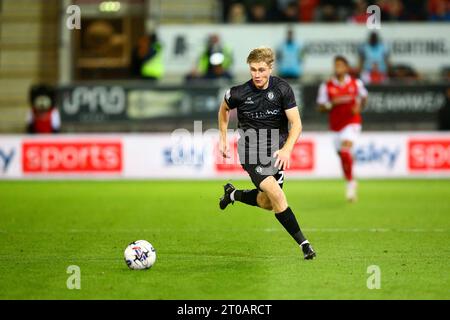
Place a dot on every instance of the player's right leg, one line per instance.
(231, 194)
(284, 214)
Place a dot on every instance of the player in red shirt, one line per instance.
(343, 97)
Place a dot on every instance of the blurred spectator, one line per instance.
(392, 10)
(258, 13)
(147, 61)
(383, 4)
(373, 59)
(281, 5)
(439, 10)
(359, 12)
(415, 9)
(208, 62)
(43, 117)
(217, 70)
(225, 6)
(237, 13)
(290, 56)
(307, 10)
(335, 10)
(374, 76)
(404, 73)
(328, 13)
(289, 13)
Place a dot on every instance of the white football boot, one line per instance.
(351, 193)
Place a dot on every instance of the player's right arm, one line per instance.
(224, 118)
(323, 101)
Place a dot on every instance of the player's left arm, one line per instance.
(284, 154)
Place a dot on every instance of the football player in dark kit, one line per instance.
(266, 108)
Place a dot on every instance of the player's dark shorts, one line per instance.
(258, 173)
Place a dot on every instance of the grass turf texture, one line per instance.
(241, 253)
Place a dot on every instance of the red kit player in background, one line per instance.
(343, 97)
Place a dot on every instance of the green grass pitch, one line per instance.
(402, 226)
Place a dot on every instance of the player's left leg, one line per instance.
(252, 197)
(347, 167)
(284, 214)
(348, 137)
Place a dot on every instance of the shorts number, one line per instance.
(281, 179)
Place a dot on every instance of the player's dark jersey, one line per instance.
(261, 110)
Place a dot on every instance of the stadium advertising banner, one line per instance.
(191, 156)
(425, 47)
(106, 103)
(389, 104)
(96, 103)
(71, 156)
(10, 153)
(135, 104)
(428, 155)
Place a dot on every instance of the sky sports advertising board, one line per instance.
(162, 156)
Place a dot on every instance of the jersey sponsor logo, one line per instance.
(249, 101)
(89, 156)
(429, 154)
(262, 114)
(273, 112)
(6, 157)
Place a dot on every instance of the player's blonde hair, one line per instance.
(261, 54)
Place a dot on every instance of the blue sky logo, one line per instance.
(371, 153)
(184, 155)
(5, 159)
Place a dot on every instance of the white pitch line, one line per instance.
(362, 230)
(158, 230)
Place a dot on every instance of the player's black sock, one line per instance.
(289, 222)
(246, 196)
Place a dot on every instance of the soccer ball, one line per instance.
(140, 255)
